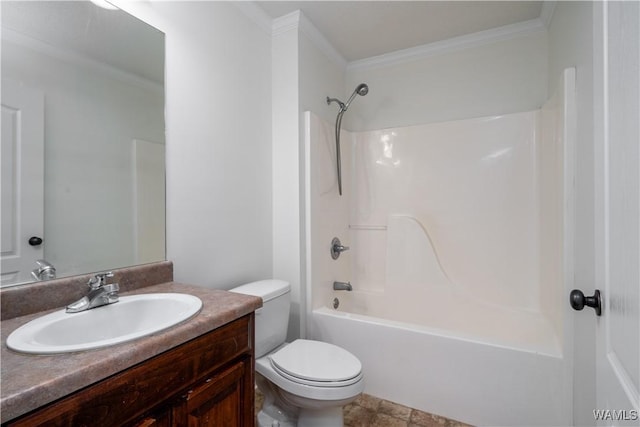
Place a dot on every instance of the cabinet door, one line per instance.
(224, 399)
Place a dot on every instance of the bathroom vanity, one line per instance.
(199, 372)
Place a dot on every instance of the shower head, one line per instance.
(362, 89)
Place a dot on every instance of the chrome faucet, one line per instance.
(100, 293)
(342, 286)
(45, 271)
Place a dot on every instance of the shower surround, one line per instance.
(457, 261)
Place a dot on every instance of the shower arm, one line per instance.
(337, 101)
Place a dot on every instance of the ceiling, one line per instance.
(362, 29)
(357, 29)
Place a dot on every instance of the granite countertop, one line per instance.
(31, 381)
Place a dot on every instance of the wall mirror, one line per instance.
(83, 176)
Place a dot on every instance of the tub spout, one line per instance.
(342, 286)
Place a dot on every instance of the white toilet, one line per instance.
(305, 383)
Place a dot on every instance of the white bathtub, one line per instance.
(460, 261)
(453, 313)
(449, 374)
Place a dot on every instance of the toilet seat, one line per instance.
(317, 364)
(329, 393)
(317, 383)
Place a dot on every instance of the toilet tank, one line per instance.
(273, 318)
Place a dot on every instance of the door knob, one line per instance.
(35, 241)
(578, 301)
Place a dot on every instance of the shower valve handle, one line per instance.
(578, 301)
(337, 248)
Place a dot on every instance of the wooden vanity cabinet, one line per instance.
(208, 381)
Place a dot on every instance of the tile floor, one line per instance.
(370, 411)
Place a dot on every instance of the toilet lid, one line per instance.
(316, 361)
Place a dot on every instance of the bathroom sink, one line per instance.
(132, 317)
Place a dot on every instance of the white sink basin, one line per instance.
(130, 318)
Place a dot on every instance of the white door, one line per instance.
(617, 121)
(22, 169)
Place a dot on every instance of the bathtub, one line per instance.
(460, 237)
(480, 381)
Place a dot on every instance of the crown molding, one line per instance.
(78, 60)
(546, 14)
(321, 42)
(299, 22)
(286, 23)
(450, 45)
(256, 14)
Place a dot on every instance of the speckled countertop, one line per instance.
(30, 381)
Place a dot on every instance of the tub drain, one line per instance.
(336, 303)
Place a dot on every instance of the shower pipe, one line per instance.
(362, 89)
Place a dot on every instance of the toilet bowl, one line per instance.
(305, 383)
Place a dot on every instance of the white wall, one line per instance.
(504, 76)
(571, 44)
(91, 120)
(287, 244)
(305, 71)
(218, 118)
